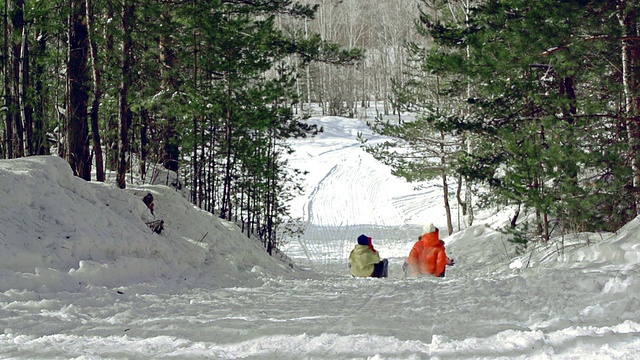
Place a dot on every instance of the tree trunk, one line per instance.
(445, 186)
(468, 194)
(627, 17)
(40, 145)
(567, 89)
(8, 100)
(78, 128)
(110, 137)
(97, 96)
(18, 30)
(144, 142)
(197, 172)
(307, 72)
(125, 115)
(226, 197)
(26, 103)
(461, 203)
(167, 59)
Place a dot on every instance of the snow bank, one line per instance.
(71, 233)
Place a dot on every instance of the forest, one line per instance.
(530, 105)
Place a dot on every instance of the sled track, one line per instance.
(329, 233)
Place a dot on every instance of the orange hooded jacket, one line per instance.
(428, 256)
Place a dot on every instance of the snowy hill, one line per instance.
(83, 277)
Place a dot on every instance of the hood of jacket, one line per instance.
(432, 239)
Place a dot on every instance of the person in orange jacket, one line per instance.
(428, 255)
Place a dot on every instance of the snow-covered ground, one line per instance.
(83, 277)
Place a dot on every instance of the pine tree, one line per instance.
(545, 122)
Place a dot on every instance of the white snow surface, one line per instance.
(83, 277)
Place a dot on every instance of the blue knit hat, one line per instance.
(364, 239)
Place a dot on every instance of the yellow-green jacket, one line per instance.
(362, 259)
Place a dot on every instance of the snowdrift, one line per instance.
(71, 233)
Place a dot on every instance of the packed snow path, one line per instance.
(560, 315)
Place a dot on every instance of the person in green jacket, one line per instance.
(364, 260)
